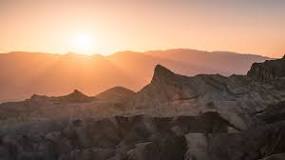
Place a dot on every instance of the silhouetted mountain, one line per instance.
(23, 74)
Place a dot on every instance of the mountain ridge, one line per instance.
(25, 74)
(202, 93)
(173, 117)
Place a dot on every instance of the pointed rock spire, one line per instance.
(162, 73)
(76, 94)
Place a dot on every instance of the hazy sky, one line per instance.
(249, 26)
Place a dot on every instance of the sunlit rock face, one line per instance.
(174, 117)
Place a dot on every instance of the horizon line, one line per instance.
(134, 51)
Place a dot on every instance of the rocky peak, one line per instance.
(161, 74)
(75, 96)
(268, 70)
(77, 93)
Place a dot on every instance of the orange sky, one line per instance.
(255, 26)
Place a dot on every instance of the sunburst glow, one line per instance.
(83, 43)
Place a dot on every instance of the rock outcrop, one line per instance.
(236, 98)
(269, 70)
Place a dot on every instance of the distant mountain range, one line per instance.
(24, 74)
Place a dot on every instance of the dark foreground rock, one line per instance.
(204, 137)
(133, 138)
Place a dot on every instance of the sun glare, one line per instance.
(83, 44)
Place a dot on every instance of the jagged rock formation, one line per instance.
(269, 70)
(236, 98)
(175, 117)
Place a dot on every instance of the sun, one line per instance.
(83, 43)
